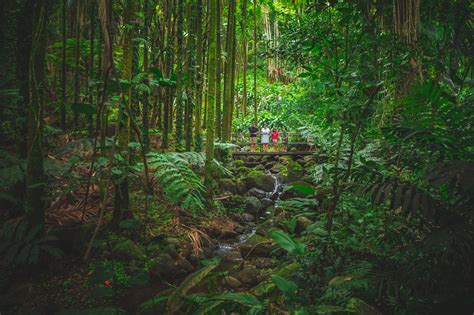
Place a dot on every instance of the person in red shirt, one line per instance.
(275, 139)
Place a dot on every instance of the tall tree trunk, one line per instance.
(91, 65)
(145, 118)
(205, 63)
(122, 204)
(63, 66)
(218, 70)
(34, 167)
(255, 60)
(191, 63)
(77, 61)
(199, 76)
(179, 79)
(244, 54)
(227, 109)
(24, 34)
(168, 103)
(232, 78)
(211, 94)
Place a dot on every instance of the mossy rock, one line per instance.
(227, 184)
(238, 163)
(248, 275)
(256, 246)
(253, 205)
(260, 180)
(127, 249)
(243, 170)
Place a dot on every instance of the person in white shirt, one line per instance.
(265, 137)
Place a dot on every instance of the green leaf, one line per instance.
(207, 307)
(324, 309)
(116, 171)
(83, 108)
(174, 302)
(286, 286)
(287, 243)
(305, 74)
(131, 224)
(305, 189)
(156, 300)
(360, 307)
(140, 40)
(106, 310)
(241, 298)
(156, 73)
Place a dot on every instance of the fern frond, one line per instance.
(180, 184)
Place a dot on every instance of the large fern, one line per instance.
(12, 172)
(180, 184)
(22, 244)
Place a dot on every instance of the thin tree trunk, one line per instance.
(199, 77)
(145, 118)
(63, 66)
(77, 62)
(122, 203)
(232, 78)
(211, 95)
(218, 78)
(24, 32)
(244, 52)
(34, 202)
(191, 86)
(255, 61)
(91, 66)
(227, 109)
(179, 80)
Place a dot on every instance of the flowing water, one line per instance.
(230, 251)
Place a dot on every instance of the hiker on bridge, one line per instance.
(265, 137)
(253, 130)
(275, 135)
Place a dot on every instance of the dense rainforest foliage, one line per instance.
(127, 185)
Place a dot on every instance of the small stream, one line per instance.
(230, 251)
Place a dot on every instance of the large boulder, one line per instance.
(260, 180)
(266, 202)
(227, 184)
(185, 265)
(248, 275)
(164, 267)
(256, 246)
(127, 249)
(253, 205)
(258, 193)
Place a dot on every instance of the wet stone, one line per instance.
(248, 275)
(266, 202)
(258, 193)
(231, 282)
(247, 217)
